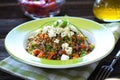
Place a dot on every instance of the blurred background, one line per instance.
(11, 8)
(13, 14)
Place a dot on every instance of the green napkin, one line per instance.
(35, 73)
(26, 71)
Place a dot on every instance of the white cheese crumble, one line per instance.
(68, 50)
(65, 32)
(51, 32)
(64, 57)
(56, 41)
(59, 30)
(45, 29)
(67, 29)
(65, 45)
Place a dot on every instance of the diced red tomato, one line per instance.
(83, 46)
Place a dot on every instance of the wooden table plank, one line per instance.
(8, 24)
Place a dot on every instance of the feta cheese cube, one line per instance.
(45, 29)
(65, 32)
(68, 50)
(65, 45)
(67, 29)
(51, 32)
(59, 30)
(64, 57)
(56, 41)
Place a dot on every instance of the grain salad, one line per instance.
(59, 41)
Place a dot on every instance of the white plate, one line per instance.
(103, 38)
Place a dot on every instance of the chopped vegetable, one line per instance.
(39, 53)
(76, 55)
(50, 55)
(83, 46)
(91, 46)
(83, 53)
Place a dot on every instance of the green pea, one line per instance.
(56, 23)
(63, 24)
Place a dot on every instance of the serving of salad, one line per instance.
(60, 40)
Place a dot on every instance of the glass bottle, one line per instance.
(107, 10)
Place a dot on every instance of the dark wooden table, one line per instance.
(11, 15)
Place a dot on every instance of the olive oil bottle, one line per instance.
(107, 10)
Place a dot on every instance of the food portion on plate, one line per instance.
(60, 40)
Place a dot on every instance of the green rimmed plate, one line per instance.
(104, 41)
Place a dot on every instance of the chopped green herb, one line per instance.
(83, 53)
